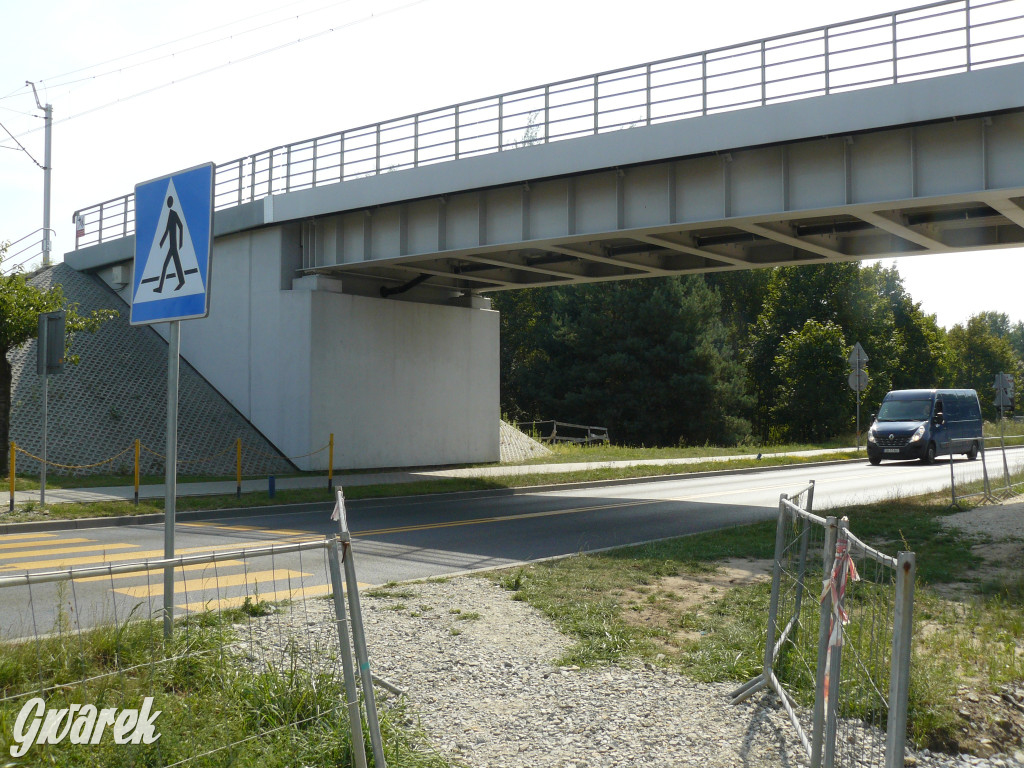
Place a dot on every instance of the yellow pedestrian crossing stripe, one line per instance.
(24, 544)
(40, 551)
(256, 528)
(217, 581)
(271, 597)
(213, 568)
(150, 554)
(82, 548)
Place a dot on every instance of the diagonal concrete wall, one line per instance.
(118, 393)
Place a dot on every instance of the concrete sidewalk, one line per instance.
(227, 487)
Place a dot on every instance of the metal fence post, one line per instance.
(952, 476)
(818, 720)
(835, 664)
(13, 458)
(351, 695)
(359, 641)
(899, 675)
(773, 605)
(751, 687)
(1002, 447)
(984, 472)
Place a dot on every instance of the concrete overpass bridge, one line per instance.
(351, 269)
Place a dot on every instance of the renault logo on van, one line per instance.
(892, 436)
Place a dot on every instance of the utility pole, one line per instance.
(47, 166)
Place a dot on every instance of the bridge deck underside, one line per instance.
(939, 187)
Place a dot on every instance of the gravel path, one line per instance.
(479, 672)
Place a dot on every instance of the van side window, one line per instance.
(973, 407)
(953, 409)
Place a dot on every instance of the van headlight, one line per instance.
(871, 436)
(918, 434)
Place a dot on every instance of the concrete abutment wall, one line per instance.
(399, 383)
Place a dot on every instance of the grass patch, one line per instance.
(565, 452)
(614, 604)
(208, 697)
(391, 590)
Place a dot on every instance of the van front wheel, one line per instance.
(929, 455)
(972, 454)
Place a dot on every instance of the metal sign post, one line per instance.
(171, 469)
(171, 283)
(50, 359)
(858, 379)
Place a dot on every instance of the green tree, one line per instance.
(844, 295)
(811, 368)
(977, 354)
(999, 324)
(525, 318)
(919, 344)
(649, 359)
(1017, 339)
(20, 307)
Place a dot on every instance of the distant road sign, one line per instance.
(1004, 390)
(858, 380)
(858, 357)
(173, 244)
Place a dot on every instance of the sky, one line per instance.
(140, 90)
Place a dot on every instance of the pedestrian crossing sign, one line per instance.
(173, 244)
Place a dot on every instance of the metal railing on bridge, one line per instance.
(926, 41)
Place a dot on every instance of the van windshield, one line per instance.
(905, 410)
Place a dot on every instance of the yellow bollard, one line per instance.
(238, 468)
(330, 463)
(136, 472)
(14, 450)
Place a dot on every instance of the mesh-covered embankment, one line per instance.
(117, 393)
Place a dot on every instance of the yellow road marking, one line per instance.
(213, 582)
(24, 544)
(194, 567)
(272, 597)
(154, 554)
(10, 536)
(59, 550)
(272, 531)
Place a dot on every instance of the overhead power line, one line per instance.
(22, 148)
(179, 52)
(224, 65)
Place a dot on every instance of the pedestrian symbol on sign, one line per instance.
(175, 231)
(172, 249)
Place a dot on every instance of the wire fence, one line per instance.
(839, 660)
(263, 662)
(928, 41)
(991, 478)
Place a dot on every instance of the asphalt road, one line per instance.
(416, 537)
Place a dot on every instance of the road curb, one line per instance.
(36, 526)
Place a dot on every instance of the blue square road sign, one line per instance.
(173, 245)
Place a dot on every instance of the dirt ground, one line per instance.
(991, 723)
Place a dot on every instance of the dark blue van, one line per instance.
(925, 423)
